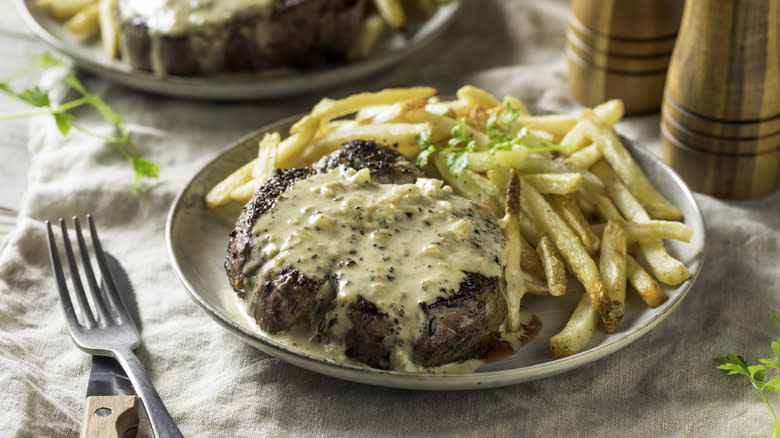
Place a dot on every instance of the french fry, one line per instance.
(586, 203)
(373, 27)
(244, 192)
(86, 22)
(578, 330)
(554, 270)
(555, 183)
(109, 27)
(605, 207)
(559, 125)
(577, 258)
(534, 164)
(63, 9)
(449, 108)
(612, 265)
(477, 96)
(585, 157)
(652, 294)
(665, 267)
(652, 230)
(402, 136)
(288, 153)
(515, 284)
(266, 157)
(610, 111)
(568, 210)
(531, 233)
(535, 286)
(220, 193)
(484, 161)
(328, 109)
(626, 168)
(392, 12)
(517, 104)
(395, 113)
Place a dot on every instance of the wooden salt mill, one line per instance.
(720, 121)
(621, 49)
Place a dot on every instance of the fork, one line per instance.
(108, 330)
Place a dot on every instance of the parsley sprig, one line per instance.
(735, 365)
(500, 136)
(65, 120)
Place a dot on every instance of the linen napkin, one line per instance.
(664, 384)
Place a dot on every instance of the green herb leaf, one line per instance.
(46, 60)
(773, 385)
(422, 158)
(34, 96)
(734, 364)
(64, 121)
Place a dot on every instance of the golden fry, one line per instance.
(373, 27)
(612, 265)
(515, 284)
(86, 22)
(392, 12)
(665, 267)
(63, 9)
(554, 270)
(578, 330)
(555, 183)
(652, 294)
(568, 210)
(626, 168)
(477, 96)
(328, 109)
(577, 258)
(220, 193)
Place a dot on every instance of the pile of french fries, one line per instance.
(586, 209)
(88, 18)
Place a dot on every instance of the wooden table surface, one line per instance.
(18, 45)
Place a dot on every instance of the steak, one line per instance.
(215, 36)
(460, 324)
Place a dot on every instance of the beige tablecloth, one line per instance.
(664, 384)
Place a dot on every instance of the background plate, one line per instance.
(90, 56)
(198, 262)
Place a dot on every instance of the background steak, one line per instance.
(303, 33)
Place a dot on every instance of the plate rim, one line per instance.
(427, 381)
(240, 88)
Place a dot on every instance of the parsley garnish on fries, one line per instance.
(735, 365)
(66, 121)
(502, 138)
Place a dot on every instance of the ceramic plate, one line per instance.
(197, 241)
(90, 56)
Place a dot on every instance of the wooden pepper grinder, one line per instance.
(720, 120)
(621, 49)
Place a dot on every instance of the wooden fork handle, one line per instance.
(110, 417)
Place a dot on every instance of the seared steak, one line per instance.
(387, 165)
(462, 322)
(177, 37)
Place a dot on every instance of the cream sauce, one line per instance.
(396, 245)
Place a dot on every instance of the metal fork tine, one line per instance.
(108, 279)
(75, 278)
(106, 316)
(62, 286)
